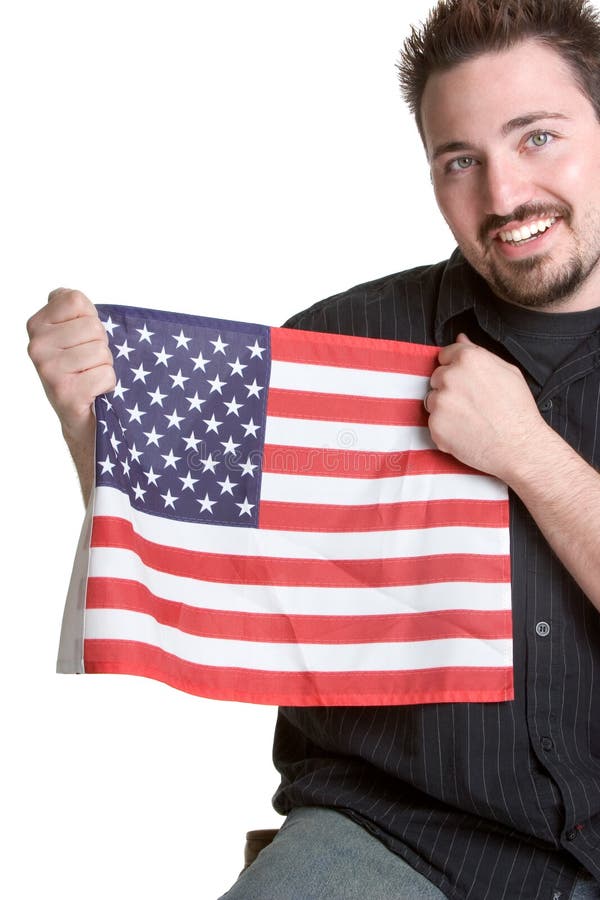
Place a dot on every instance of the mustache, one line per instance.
(521, 214)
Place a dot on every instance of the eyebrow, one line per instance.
(511, 125)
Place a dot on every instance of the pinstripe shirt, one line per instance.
(489, 801)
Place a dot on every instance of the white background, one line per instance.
(232, 159)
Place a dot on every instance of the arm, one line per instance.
(482, 412)
(69, 348)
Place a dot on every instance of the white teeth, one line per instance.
(527, 231)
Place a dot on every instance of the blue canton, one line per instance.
(182, 433)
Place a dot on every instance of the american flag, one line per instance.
(271, 523)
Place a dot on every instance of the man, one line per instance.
(463, 800)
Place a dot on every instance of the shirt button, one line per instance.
(542, 629)
(547, 743)
(571, 835)
(546, 405)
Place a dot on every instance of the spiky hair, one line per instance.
(459, 30)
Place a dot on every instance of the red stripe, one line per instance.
(447, 685)
(345, 408)
(290, 460)
(118, 593)
(284, 516)
(229, 569)
(291, 345)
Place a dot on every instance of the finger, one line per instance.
(427, 400)
(47, 340)
(74, 360)
(463, 339)
(75, 394)
(64, 304)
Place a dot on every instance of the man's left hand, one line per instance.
(481, 409)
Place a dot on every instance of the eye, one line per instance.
(540, 138)
(462, 163)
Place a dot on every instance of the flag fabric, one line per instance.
(272, 523)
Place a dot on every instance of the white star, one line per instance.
(195, 402)
(107, 402)
(200, 362)
(236, 367)
(217, 384)
(135, 453)
(114, 442)
(119, 390)
(156, 395)
(256, 350)
(206, 504)
(136, 414)
(107, 466)
(145, 335)
(169, 499)
(250, 427)
(110, 326)
(188, 481)
(126, 467)
(140, 374)
(228, 445)
(227, 486)
(139, 492)
(253, 389)
(170, 459)
(152, 478)
(191, 442)
(219, 346)
(153, 437)
(232, 407)
(174, 419)
(124, 350)
(210, 463)
(162, 357)
(212, 424)
(182, 340)
(104, 425)
(248, 468)
(178, 379)
(246, 507)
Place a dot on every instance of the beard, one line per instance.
(529, 285)
(537, 282)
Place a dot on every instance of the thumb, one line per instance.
(463, 339)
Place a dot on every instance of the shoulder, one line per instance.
(380, 308)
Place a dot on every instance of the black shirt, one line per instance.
(496, 800)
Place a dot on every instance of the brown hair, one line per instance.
(458, 30)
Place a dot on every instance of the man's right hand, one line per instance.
(69, 348)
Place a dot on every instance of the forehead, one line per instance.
(471, 101)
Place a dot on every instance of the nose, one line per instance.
(504, 187)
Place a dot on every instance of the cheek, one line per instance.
(460, 212)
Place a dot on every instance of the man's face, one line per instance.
(514, 149)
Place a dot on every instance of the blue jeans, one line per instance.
(320, 854)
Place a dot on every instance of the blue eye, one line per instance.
(540, 138)
(462, 163)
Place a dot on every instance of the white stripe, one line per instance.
(310, 601)
(109, 624)
(359, 491)
(346, 435)
(355, 382)
(258, 542)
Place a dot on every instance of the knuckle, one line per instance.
(49, 376)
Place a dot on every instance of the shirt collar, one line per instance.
(463, 289)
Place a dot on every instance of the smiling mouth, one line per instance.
(526, 234)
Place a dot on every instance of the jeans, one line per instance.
(321, 854)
